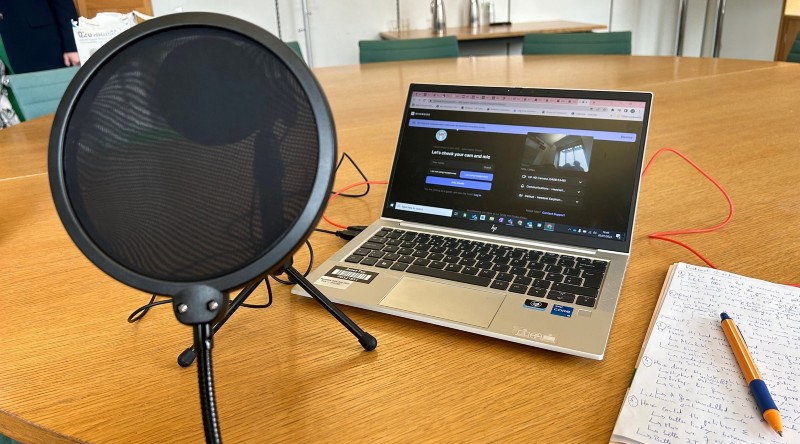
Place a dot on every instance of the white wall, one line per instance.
(336, 26)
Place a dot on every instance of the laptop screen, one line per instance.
(557, 166)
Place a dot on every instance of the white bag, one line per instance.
(91, 34)
(8, 116)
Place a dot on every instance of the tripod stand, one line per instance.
(367, 341)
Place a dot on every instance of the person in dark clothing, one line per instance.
(37, 34)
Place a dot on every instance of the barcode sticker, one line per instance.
(351, 274)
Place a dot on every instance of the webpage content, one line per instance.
(507, 164)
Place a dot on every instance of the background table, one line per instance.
(495, 40)
(72, 368)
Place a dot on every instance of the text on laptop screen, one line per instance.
(551, 165)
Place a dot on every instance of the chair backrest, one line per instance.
(794, 53)
(578, 43)
(4, 57)
(413, 49)
(35, 94)
(295, 47)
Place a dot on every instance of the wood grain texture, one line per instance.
(496, 32)
(72, 368)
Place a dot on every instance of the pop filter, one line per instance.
(190, 155)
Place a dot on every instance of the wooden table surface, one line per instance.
(487, 32)
(73, 369)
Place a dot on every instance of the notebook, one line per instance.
(688, 386)
(509, 213)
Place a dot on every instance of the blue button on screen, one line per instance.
(458, 183)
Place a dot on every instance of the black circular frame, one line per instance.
(273, 259)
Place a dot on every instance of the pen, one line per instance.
(757, 386)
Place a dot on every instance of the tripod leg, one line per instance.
(367, 340)
(186, 358)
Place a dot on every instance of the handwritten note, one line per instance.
(688, 387)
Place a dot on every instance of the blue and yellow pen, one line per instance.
(757, 386)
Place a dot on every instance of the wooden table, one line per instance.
(72, 368)
(487, 32)
(494, 40)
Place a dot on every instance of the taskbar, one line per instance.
(510, 221)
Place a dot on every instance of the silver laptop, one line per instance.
(509, 213)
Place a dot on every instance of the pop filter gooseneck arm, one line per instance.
(186, 358)
(199, 306)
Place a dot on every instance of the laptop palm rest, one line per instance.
(444, 301)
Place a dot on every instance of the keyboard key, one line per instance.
(468, 262)
(536, 274)
(361, 252)
(487, 274)
(406, 259)
(519, 271)
(571, 271)
(586, 301)
(592, 279)
(484, 264)
(500, 267)
(436, 256)
(354, 259)
(453, 267)
(561, 296)
(508, 277)
(518, 288)
(376, 254)
(470, 270)
(437, 264)
(390, 249)
(450, 259)
(554, 277)
(572, 280)
(584, 291)
(422, 262)
(377, 240)
(538, 292)
(458, 277)
(369, 261)
(384, 264)
(372, 246)
(536, 266)
(541, 283)
(524, 280)
(399, 266)
(499, 285)
(391, 257)
(553, 269)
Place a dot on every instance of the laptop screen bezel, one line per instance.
(623, 246)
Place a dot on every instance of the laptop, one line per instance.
(509, 213)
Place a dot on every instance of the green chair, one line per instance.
(4, 58)
(794, 53)
(35, 94)
(578, 43)
(371, 51)
(295, 47)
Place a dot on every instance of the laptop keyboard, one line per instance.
(559, 277)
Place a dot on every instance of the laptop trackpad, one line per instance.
(449, 302)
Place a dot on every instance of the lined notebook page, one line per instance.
(688, 387)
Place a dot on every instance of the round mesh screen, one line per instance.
(191, 154)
